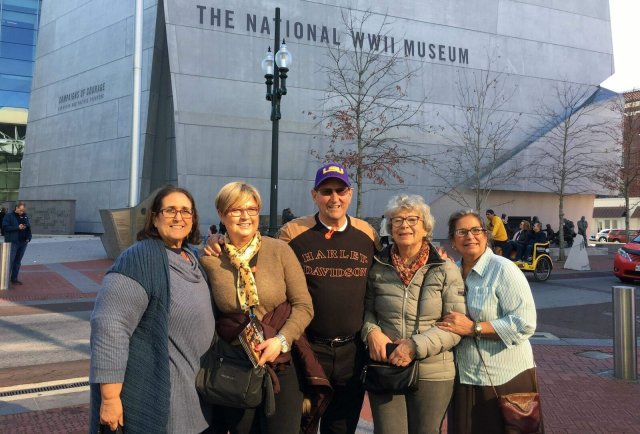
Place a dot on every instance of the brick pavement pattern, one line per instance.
(576, 399)
(41, 282)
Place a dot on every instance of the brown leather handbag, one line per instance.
(521, 412)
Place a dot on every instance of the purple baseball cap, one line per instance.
(332, 170)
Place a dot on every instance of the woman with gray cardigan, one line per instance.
(409, 277)
(151, 324)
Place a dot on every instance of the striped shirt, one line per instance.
(498, 292)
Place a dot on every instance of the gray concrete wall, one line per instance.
(208, 122)
(79, 127)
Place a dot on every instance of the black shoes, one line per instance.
(16, 282)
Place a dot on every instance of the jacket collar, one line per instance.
(483, 262)
(384, 257)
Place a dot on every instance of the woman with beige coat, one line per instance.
(407, 277)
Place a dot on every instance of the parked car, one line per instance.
(621, 235)
(626, 263)
(601, 236)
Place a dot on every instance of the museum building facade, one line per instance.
(205, 121)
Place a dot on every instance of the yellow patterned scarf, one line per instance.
(246, 283)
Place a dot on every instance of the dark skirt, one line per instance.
(475, 409)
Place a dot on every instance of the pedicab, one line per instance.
(540, 262)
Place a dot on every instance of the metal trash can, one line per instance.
(5, 265)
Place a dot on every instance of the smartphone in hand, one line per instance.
(390, 348)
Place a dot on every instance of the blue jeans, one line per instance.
(17, 252)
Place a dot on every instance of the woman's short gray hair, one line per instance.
(410, 202)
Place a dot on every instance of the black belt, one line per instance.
(332, 342)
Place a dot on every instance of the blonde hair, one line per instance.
(236, 192)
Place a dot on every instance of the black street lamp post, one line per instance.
(275, 74)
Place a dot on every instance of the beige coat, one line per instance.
(392, 307)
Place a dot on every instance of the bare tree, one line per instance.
(366, 111)
(477, 135)
(567, 159)
(623, 174)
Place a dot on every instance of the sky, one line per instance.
(626, 34)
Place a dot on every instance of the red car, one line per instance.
(621, 235)
(626, 264)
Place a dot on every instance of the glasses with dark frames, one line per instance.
(411, 220)
(473, 231)
(237, 212)
(186, 213)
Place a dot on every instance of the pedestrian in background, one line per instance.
(384, 232)
(212, 231)
(287, 216)
(17, 231)
(498, 232)
(3, 213)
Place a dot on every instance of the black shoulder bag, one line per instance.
(379, 377)
(227, 377)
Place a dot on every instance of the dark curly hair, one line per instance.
(150, 231)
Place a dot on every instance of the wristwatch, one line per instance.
(477, 329)
(283, 341)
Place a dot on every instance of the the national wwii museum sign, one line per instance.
(252, 23)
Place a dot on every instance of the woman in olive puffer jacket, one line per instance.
(399, 273)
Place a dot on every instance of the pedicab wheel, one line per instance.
(542, 270)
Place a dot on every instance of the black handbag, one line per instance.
(385, 378)
(105, 429)
(378, 377)
(228, 378)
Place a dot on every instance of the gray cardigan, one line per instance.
(392, 307)
(167, 402)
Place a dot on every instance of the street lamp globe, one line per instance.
(283, 57)
(267, 63)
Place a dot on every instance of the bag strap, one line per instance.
(535, 377)
(485, 368)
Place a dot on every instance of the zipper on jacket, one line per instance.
(425, 267)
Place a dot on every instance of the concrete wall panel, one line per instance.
(209, 118)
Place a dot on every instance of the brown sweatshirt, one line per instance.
(279, 277)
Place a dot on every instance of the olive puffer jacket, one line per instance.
(392, 307)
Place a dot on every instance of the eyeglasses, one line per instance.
(237, 212)
(464, 232)
(325, 191)
(186, 213)
(411, 220)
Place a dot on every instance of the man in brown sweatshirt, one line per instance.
(336, 252)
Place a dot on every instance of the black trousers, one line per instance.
(343, 366)
(286, 419)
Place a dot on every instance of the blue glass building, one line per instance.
(18, 34)
(19, 21)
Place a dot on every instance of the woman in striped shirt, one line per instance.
(501, 319)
